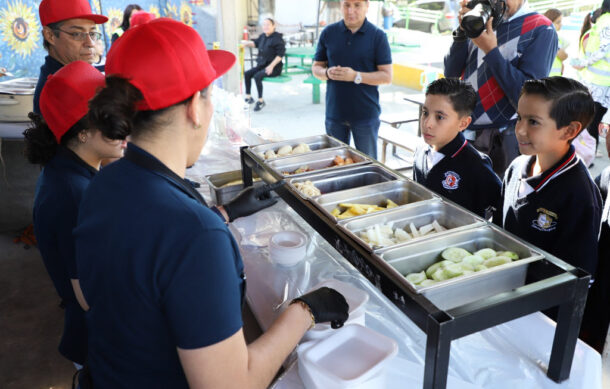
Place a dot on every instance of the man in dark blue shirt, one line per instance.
(354, 56)
(69, 32)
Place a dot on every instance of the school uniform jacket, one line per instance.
(464, 176)
(561, 213)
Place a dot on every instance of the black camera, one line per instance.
(475, 20)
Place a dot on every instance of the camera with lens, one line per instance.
(474, 21)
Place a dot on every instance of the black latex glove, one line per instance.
(327, 305)
(250, 200)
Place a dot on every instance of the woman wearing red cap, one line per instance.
(71, 152)
(160, 270)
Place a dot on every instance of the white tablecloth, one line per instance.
(511, 355)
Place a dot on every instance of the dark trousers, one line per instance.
(502, 147)
(365, 134)
(600, 111)
(258, 73)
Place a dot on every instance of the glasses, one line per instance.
(81, 36)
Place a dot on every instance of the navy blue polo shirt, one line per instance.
(59, 190)
(50, 66)
(560, 212)
(464, 176)
(362, 51)
(159, 270)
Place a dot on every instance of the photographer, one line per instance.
(497, 64)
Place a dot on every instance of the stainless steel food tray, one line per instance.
(321, 160)
(402, 192)
(315, 143)
(447, 215)
(222, 195)
(329, 182)
(458, 291)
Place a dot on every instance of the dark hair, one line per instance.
(113, 110)
(40, 142)
(571, 100)
(271, 20)
(553, 14)
(462, 96)
(54, 27)
(590, 18)
(127, 15)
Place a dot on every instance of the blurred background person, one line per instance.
(271, 48)
(141, 17)
(594, 64)
(126, 21)
(556, 17)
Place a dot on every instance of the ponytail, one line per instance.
(114, 112)
(40, 142)
(113, 109)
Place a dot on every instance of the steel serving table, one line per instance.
(549, 283)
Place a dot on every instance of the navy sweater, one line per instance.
(561, 215)
(463, 176)
(527, 45)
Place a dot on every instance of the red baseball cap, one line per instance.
(53, 11)
(140, 17)
(167, 61)
(64, 99)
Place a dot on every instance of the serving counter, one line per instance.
(498, 340)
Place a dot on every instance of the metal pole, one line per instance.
(315, 39)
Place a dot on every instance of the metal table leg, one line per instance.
(438, 347)
(566, 332)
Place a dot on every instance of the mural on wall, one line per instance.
(21, 49)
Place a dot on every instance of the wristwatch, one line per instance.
(358, 78)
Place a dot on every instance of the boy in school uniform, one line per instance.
(549, 198)
(449, 165)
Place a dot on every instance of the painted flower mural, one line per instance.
(115, 18)
(19, 28)
(186, 14)
(154, 10)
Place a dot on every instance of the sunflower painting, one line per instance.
(186, 14)
(19, 28)
(171, 11)
(153, 9)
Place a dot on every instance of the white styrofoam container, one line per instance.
(356, 299)
(352, 357)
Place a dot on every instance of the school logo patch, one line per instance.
(451, 181)
(546, 220)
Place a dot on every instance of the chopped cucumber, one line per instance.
(427, 283)
(480, 267)
(511, 254)
(439, 275)
(454, 254)
(454, 270)
(416, 278)
(497, 261)
(438, 265)
(486, 253)
(473, 260)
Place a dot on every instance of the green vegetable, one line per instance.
(473, 260)
(439, 275)
(454, 270)
(486, 253)
(427, 283)
(416, 278)
(454, 254)
(497, 261)
(511, 254)
(480, 267)
(439, 265)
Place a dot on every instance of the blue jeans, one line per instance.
(365, 134)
